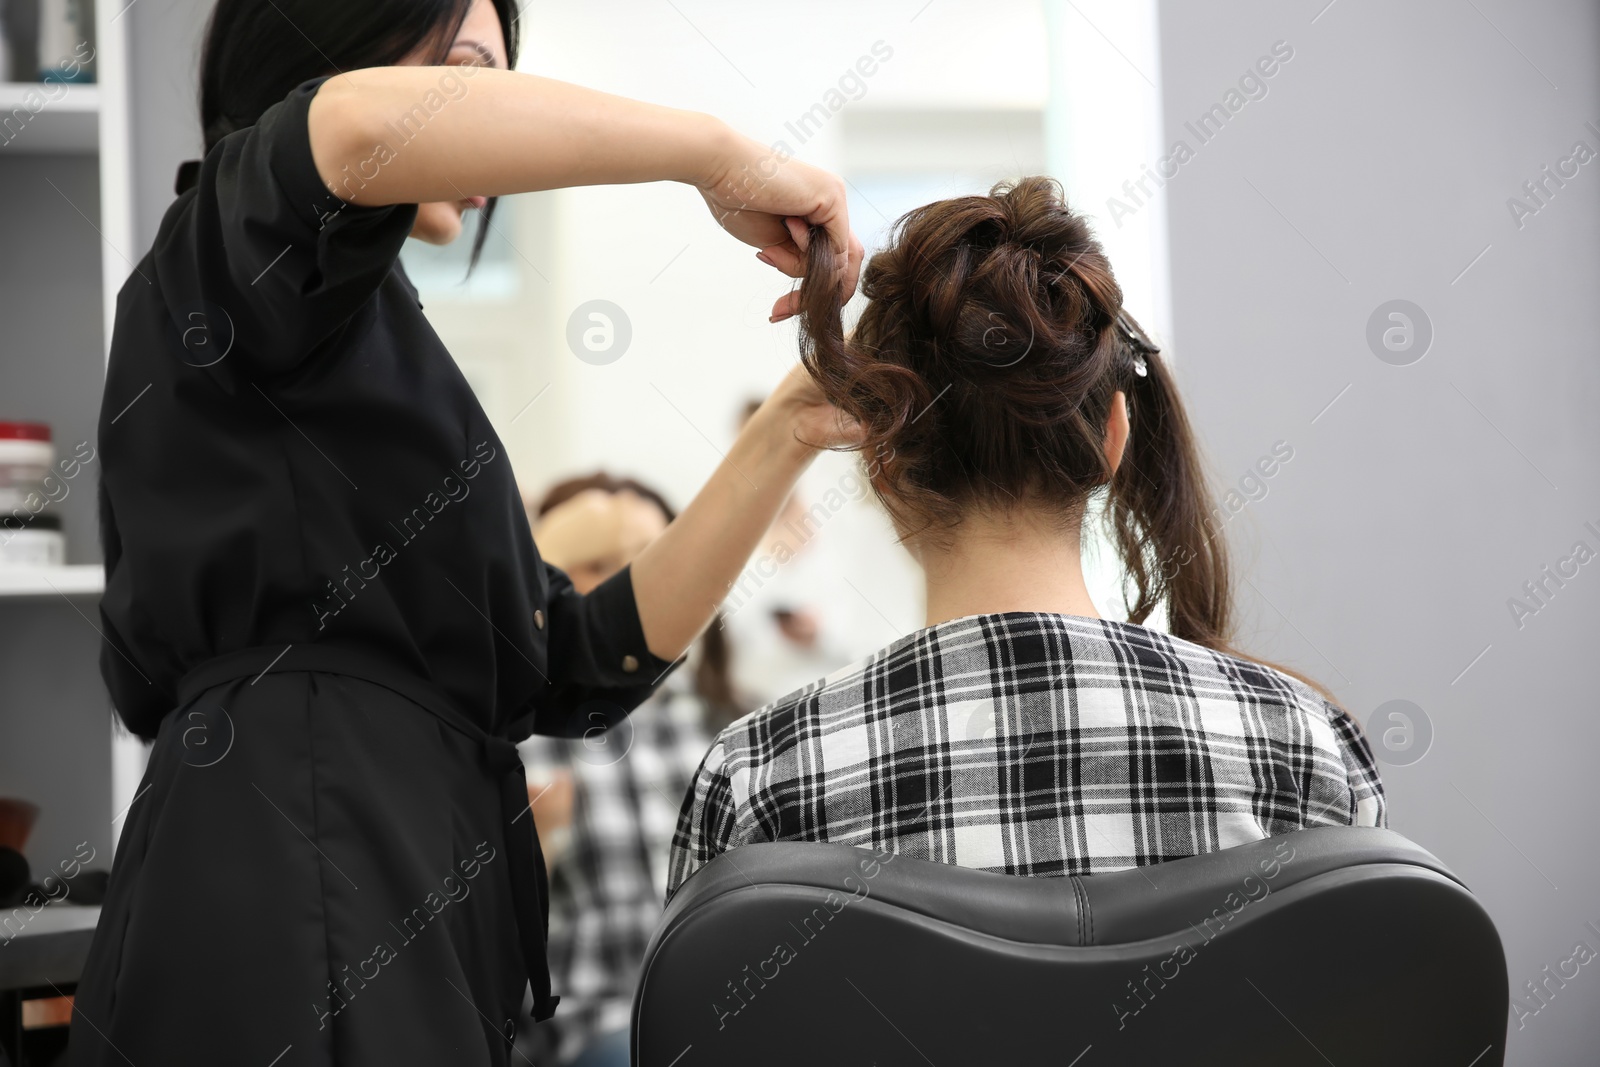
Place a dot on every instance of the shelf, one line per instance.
(80, 580)
(52, 945)
(53, 117)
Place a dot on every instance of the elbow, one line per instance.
(347, 141)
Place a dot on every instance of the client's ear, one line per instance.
(1116, 440)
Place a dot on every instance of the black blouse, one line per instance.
(291, 455)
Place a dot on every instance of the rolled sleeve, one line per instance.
(263, 256)
(599, 661)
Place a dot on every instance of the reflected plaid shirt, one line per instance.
(607, 885)
(1034, 744)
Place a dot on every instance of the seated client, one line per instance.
(1003, 395)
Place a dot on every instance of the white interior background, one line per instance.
(1378, 168)
(969, 95)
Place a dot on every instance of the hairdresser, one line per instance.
(322, 600)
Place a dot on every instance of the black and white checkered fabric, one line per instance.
(607, 885)
(1034, 744)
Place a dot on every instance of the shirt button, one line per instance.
(630, 664)
(538, 619)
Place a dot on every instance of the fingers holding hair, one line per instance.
(792, 257)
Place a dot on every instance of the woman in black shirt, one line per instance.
(322, 598)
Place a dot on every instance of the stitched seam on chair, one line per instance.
(1077, 899)
(1088, 914)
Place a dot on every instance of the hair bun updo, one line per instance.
(982, 369)
(982, 372)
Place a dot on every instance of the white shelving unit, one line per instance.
(67, 119)
(84, 580)
(85, 174)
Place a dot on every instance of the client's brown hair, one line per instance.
(982, 372)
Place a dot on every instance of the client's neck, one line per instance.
(1022, 561)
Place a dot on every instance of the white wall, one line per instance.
(697, 301)
(1106, 135)
(700, 332)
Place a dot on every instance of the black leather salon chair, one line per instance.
(1342, 945)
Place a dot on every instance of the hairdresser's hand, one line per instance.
(797, 411)
(683, 574)
(753, 192)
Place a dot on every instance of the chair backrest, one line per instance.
(1342, 945)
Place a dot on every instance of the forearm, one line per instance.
(683, 575)
(406, 135)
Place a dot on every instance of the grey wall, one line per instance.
(54, 713)
(51, 343)
(1382, 558)
(55, 717)
(164, 80)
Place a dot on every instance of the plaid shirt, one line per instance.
(1034, 744)
(607, 886)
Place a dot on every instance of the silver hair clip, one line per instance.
(1138, 342)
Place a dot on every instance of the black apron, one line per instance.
(282, 756)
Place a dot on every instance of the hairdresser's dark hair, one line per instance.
(713, 681)
(982, 371)
(257, 51)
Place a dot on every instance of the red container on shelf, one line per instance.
(29, 535)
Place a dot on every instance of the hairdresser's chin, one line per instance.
(440, 222)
